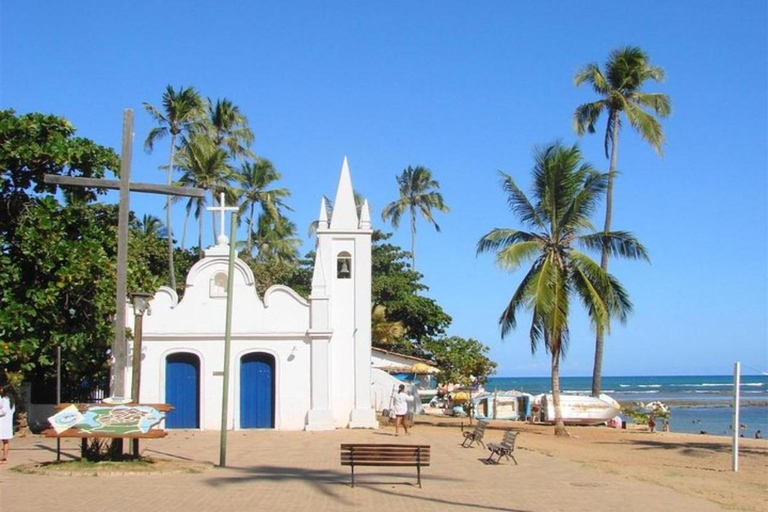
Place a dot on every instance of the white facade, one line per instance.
(294, 363)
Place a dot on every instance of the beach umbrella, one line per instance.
(423, 368)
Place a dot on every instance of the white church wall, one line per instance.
(292, 366)
(342, 342)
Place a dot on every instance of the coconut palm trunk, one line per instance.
(597, 369)
(413, 238)
(250, 230)
(171, 269)
(559, 424)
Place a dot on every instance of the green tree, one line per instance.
(57, 288)
(32, 145)
(228, 129)
(565, 192)
(150, 225)
(418, 192)
(255, 180)
(461, 361)
(182, 113)
(399, 288)
(206, 166)
(275, 239)
(626, 72)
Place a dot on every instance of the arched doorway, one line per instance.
(257, 391)
(182, 390)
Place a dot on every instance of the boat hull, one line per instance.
(580, 410)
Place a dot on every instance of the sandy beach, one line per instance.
(596, 468)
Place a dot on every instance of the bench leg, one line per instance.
(353, 476)
(418, 473)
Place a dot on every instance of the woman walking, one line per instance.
(6, 422)
(400, 405)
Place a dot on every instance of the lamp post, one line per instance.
(140, 301)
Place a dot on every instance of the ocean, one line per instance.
(698, 403)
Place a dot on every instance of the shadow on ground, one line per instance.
(337, 484)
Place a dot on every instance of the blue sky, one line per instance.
(466, 89)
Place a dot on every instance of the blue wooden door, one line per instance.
(182, 390)
(257, 391)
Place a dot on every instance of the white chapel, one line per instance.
(295, 364)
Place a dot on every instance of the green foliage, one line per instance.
(294, 274)
(32, 145)
(398, 288)
(57, 287)
(57, 262)
(566, 192)
(418, 193)
(640, 414)
(461, 361)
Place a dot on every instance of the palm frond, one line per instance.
(519, 203)
(617, 243)
(585, 116)
(591, 74)
(647, 126)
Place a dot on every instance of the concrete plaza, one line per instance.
(284, 471)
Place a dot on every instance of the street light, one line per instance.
(140, 301)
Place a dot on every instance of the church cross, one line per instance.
(222, 209)
(124, 185)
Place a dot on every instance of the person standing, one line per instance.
(400, 406)
(6, 422)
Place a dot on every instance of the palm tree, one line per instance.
(255, 179)
(275, 239)
(418, 191)
(151, 226)
(228, 128)
(626, 72)
(182, 113)
(204, 166)
(566, 192)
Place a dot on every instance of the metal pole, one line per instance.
(58, 396)
(118, 345)
(138, 325)
(736, 393)
(227, 343)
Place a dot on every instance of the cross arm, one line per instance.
(151, 188)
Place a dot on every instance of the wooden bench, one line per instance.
(395, 455)
(475, 435)
(505, 448)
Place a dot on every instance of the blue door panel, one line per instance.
(182, 390)
(257, 391)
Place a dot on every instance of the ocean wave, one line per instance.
(649, 385)
(651, 392)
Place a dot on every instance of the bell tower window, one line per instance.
(344, 265)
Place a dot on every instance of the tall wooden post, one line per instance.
(118, 345)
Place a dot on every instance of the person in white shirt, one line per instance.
(6, 423)
(400, 407)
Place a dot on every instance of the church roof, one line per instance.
(344, 209)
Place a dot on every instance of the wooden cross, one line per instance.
(125, 186)
(222, 209)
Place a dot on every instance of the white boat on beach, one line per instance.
(578, 409)
(502, 405)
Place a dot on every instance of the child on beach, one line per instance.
(400, 406)
(6, 423)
